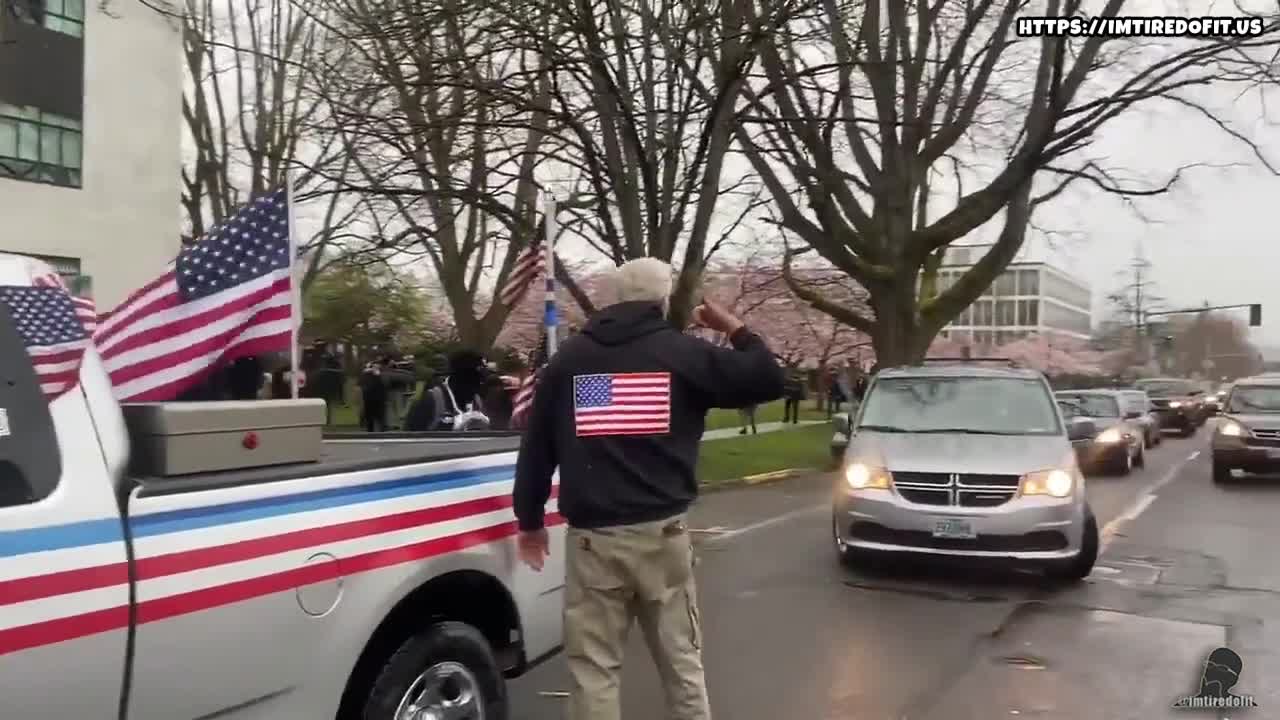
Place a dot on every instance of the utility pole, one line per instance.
(1134, 301)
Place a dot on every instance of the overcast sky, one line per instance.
(1212, 239)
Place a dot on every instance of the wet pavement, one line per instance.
(791, 635)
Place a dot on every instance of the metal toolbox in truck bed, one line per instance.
(181, 438)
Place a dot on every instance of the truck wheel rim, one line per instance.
(446, 691)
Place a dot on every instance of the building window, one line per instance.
(1006, 312)
(62, 16)
(982, 314)
(1007, 283)
(39, 146)
(1029, 313)
(65, 16)
(1028, 282)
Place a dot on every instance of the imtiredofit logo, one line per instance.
(1221, 673)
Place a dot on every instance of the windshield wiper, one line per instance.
(967, 431)
(884, 428)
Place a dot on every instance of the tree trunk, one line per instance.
(897, 337)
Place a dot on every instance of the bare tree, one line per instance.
(451, 172)
(636, 98)
(250, 109)
(858, 111)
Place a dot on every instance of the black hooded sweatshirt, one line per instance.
(608, 480)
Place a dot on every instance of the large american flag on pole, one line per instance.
(529, 267)
(54, 338)
(228, 295)
(622, 404)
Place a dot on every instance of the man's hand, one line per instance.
(713, 317)
(534, 547)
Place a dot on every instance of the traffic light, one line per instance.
(1255, 315)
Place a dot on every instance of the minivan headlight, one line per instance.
(1056, 483)
(861, 476)
(1175, 404)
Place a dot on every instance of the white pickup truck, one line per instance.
(378, 581)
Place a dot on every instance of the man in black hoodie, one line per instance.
(621, 410)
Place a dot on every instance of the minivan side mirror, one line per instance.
(841, 423)
(1081, 430)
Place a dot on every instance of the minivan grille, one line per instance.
(956, 489)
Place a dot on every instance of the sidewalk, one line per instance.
(730, 432)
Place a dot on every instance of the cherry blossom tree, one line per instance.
(1054, 355)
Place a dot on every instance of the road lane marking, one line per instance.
(1141, 502)
(768, 522)
(1137, 508)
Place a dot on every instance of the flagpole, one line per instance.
(553, 229)
(295, 290)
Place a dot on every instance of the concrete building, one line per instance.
(90, 140)
(1029, 297)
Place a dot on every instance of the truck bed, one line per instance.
(344, 454)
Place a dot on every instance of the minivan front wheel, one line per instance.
(1079, 567)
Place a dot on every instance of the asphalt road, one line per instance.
(791, 635)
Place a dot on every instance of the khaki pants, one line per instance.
(614, 575)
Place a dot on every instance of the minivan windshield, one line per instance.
(979, 405)
(1255, 399)
(1167, 388)
(1092, 404)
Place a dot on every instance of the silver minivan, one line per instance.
(964, 460)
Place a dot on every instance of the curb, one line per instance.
(758, 479)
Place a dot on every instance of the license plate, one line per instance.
(953, 529)
(1274, 453)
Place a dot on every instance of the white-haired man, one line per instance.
(620, 410)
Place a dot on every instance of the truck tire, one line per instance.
(451, 657)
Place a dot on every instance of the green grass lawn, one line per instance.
(770, 412)
(732, 458)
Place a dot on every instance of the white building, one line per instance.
(1029, 297)
(90, 139)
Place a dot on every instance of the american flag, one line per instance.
(86, 310)
(622, 404)
(228, 295)
(529, 266)
(55, 340)
(523, 402)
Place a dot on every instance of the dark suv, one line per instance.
(1248, 437)
(1178, 403)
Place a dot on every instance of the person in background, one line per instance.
(373, 399)
(748, 418)
(244, 378)
(793, 394)
(835, 394)
(627, 480)
(459, 393)
(400, 382)
(498, 399)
